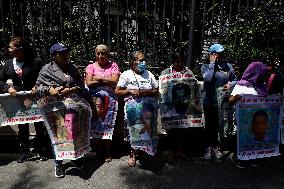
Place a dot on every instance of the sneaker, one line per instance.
(216, 152)
(78, 164)
(59, 171)
(208, 153)
(239, 163)
(24, 156)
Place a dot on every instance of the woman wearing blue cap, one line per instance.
(217, 73)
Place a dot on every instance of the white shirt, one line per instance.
(243, 90)
(130, 80)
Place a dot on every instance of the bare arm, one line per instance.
(123, 91)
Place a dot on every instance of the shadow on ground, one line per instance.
(201, 173)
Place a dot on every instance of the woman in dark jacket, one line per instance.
(23, 69)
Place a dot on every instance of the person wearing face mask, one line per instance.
(23, 69)
(217, 73)
(101, 79)
(139, 87)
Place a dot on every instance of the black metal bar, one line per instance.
(163, 41)
(221, 21)
(42, 29)
(51, 17)
(12, 19)
(2, 15)
(154, 41)
(246, 13)
(127, 17)
(172, 24)
(181, 25)
(22, 19)
(212, 21)
(191, 34)
(80, 21)
(117, 26)
(203, 27)
(145, 27)
(237, 22)
(70, 20)
(61, 20)
(32, 23)
(90, 30)
(229, 20)
(136, 21)
(100, 22)
(108, 24)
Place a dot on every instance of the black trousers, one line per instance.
(24, 136)
(211, 125)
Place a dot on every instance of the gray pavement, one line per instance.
(198, 173)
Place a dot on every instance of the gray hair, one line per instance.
(104, 48)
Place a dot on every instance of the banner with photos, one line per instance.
(226, 112)
(68, 122)
(141, 118)
(180, 103)
(106, 106)
(258, 121)
(18, 109)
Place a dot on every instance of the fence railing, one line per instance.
(157, 27)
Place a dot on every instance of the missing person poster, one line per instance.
(18, 109)
(106, 105)
(180, 103)
(141, 118)
(68, 123)
(258, 121)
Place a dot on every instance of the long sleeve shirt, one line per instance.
(215, 76)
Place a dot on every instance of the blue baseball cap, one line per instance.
(216, 48)
(57, 47)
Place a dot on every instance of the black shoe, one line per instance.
(59, 171)
(254, 163)
(24, 156)
(42, 156)
(238, 163)
(78, 164)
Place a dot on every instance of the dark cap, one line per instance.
(57, 47)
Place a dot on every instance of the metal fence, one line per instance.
(157, 27)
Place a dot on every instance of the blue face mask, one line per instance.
(141, 66)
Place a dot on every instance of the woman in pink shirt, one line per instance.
(101, 78)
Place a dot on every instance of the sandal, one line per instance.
(132, 160)
(108, 159)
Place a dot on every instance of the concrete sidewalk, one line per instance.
(198, 173)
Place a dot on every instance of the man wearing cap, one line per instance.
(217, 73)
